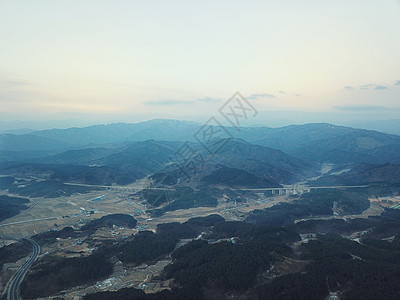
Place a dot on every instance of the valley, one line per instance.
(53, 214)
(129, 220)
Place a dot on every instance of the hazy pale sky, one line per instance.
(184, 58)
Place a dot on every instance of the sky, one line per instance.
(101, 61)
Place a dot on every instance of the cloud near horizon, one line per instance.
(369, 86)
(263, 95)
(361, 108)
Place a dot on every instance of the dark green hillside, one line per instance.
(137, 294)
(355, 271)
(347, 202)
(6, 182)
(315, 203)
(236, 178)
(224, 264)
(147, 247)
(181, 198)
(109, 221)
(272, 164)
(11, 206)
(120, 220)
(14, 252)
(53, 274)
(49, 237)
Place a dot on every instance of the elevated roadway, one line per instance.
(13, 289)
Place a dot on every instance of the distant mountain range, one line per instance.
(167, 130)
(121, 153)
(315, 142)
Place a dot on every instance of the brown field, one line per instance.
(47, 213)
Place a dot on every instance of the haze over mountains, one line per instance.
(283, 183)
(122, 153)
(296, 140)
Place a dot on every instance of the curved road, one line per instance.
(13, 290)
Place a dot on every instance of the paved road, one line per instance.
(13, 290)
(304, 187)
(28, 221)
